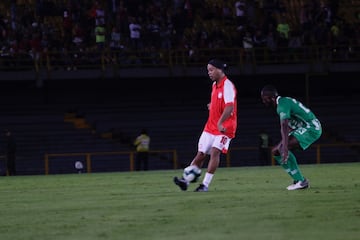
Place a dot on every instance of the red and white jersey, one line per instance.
(223, 94)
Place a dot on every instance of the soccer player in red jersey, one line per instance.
(220, 127)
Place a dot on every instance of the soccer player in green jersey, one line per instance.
(299, 129)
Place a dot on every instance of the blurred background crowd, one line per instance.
(67, 31)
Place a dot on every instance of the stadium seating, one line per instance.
(41, 129)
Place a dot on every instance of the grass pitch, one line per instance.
(247, 203)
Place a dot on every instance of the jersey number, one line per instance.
(223, 140)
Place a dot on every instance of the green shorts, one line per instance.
(308, 135)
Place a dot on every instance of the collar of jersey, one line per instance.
(277, 99)
(221, 82)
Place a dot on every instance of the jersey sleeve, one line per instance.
(229, 93)
(283, 109)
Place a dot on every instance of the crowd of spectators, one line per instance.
(69, 32)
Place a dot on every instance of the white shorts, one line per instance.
(208, 141)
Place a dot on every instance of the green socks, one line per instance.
(291, 167)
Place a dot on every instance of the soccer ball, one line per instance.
(191, 173)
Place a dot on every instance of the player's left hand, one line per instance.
(284, 157)
(221, 128)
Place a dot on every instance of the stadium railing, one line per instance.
(129, 156)
(127, 59)
(315, 153)
(88, 156)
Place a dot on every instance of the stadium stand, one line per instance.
(84, 111)
(176, 125)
